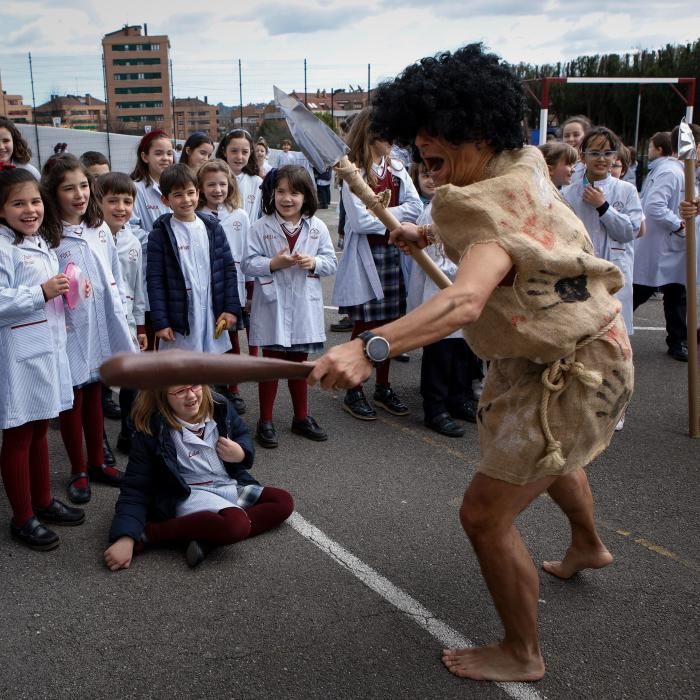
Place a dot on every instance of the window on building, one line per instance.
(140, 105)
(136, 61)
(137, 90)
(142, 118)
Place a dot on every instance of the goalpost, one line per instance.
(691, 281)
(543, 100)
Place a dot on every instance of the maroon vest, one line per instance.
(390, 182)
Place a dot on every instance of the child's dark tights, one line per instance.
(228, 525)
(24, 463)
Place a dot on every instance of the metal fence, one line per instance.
(233, 82)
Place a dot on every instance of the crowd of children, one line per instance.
(187, 255)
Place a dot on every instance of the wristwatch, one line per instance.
(376, 348)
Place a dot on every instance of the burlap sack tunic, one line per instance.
(561, 368)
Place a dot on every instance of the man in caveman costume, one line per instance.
(535, 301)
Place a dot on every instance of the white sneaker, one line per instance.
(620, 424)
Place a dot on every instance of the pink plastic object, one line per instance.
(76, 284)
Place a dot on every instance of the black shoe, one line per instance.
(466, 411)
(343, 326)
(109, 458)
(679, 352)
(403, 357)
(443, 424)
(309, 428)
(75, 494)
(124, 443)
(235, 398)
(195, 554)
(61, 514)
(34, 535)
(385, 397)
(357, 405)
(110, 408)
(266, 434)
(238, 403)
(102, 474)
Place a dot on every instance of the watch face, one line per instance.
(377, 349)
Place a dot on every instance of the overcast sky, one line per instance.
(337, 37)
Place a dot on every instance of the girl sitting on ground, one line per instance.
(187, 481)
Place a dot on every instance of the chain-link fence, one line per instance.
(238, 88)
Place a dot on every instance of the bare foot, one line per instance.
(492, 663)
(575, 560)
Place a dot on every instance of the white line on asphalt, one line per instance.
(398, 598)
(648, 328)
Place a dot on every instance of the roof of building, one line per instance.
(58, 102)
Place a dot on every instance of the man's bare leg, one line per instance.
(488, 511)
(572, 494)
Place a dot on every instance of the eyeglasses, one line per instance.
(600, 154)
(617, 166)
(181, 393)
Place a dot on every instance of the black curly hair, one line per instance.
(465, 96)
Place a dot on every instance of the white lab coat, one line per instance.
(357, 280)
(287, 306)
(251, 195)
(148, 205)
(420, 287)
(35, 382)
(660, 253)
(130, 254)
(614, 232)
(236, 225)
(97, 327)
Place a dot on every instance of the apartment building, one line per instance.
(137, 68)
(73, 112)
(13, 107)
(193, 114)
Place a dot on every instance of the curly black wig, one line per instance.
(465, 96)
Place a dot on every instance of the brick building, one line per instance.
(193, 114)
(73, 112)
(137, 70)
(13, 107)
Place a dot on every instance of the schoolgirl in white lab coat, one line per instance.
(609, 208)
(97, 326)
(116, 193)
(448, 366)
(369, 286)
(219, 197)
(153, 155)
(35, 384)
(660, 257)
(287, 252)
(238, 150)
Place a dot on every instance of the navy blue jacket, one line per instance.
(167, 294)
(152, 485)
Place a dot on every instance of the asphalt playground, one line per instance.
(356, 596)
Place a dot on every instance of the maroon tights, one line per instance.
(24, 463)
(267, 391)
(228, 525)
(85, 417)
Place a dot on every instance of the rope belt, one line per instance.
(553, 380)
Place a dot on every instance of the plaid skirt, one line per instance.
(387, 260)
